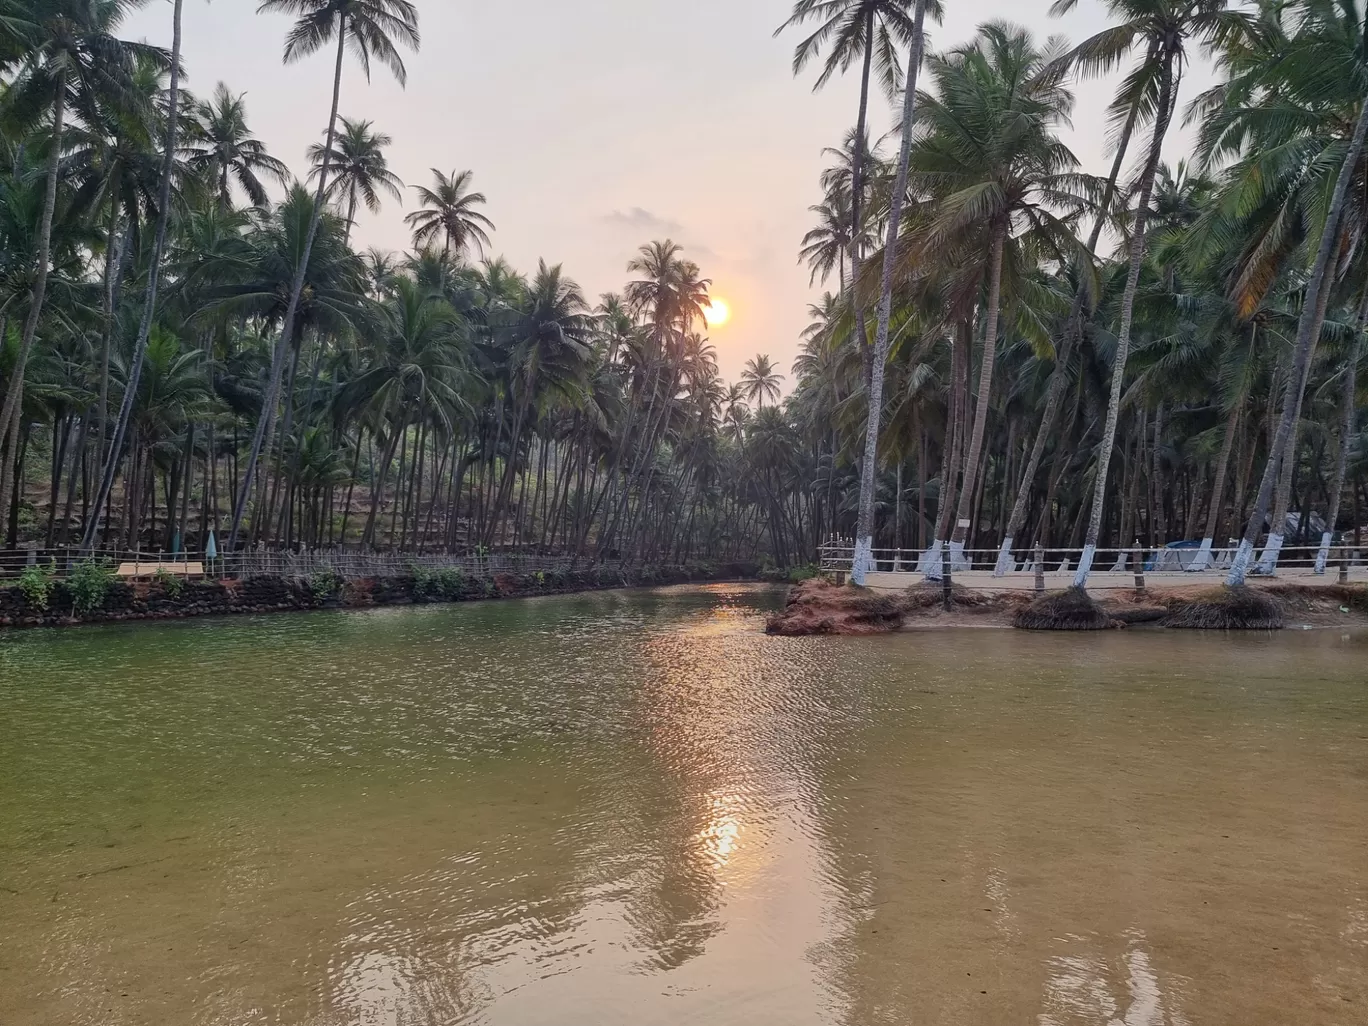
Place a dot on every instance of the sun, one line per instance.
(717, 313)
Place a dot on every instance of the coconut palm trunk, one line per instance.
(10, 413)
(857, 196)
(130, 397)
(1059, 376)
(1282, 496)
(864, 531)
(1346, 439)
(973, 456)
(1308, 329)
(264, 436)
(1163, 115)
(1203, 557)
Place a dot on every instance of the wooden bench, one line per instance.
(181, 568)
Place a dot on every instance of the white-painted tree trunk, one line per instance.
(1323, 555)
(1239, 566)
(1004, 559)
(957, 560)
(930, 562)
(1203, 558)
(863, 559)
(1268, 559)
(1085, 563)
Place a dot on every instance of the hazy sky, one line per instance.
(598, 125)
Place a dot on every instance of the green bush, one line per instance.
(803, 573)
(447, 583)
(451, 583)
(171, 584)
(88, 584)
(36, 584)
(325, 585)
(424, 581)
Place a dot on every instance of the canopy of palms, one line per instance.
(179, 349)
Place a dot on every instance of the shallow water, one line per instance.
(635, 808)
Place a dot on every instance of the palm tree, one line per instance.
(72, 59)
(1331, 66)
(871, 32)
(374, 29)
(827, 245)
(737, 414)
(998, 173)
(549, 358)
(1125, 112)
(360, 170)
(149, 312)
(863, 558)
(449, 213)
(761, 381)
(115, 164)
(418, 367)
(223, 151)
(1164, 28)
(171, 391)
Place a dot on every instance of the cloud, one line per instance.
(642, 220)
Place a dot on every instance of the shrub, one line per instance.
(423, 581)
(36, 584)
(325, 585)
(807, 572)
(171, 584)
(88, 584)
(447, 583)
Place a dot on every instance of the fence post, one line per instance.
(1040, 570)
(947, 592)
(1138, 557)
(1344, 566)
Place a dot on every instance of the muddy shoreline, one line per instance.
(820, 607)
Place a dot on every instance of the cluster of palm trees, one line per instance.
(184, 357)
(1017, 354)
(1020, 353)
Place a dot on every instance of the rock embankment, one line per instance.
(163, 600)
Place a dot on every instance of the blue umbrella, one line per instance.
(211, 548)
(176, 544)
